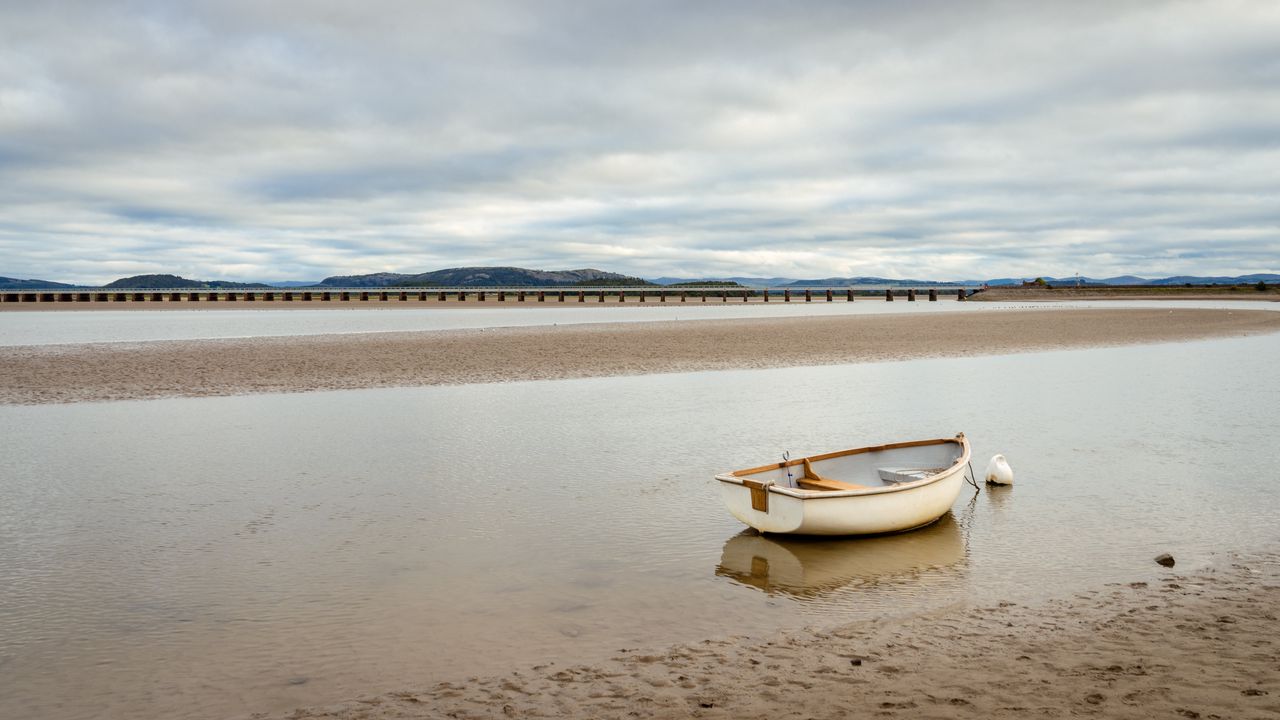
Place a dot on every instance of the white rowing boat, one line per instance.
(863, 491)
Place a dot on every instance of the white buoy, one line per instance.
(999, 472)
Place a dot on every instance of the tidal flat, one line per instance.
(221, 556)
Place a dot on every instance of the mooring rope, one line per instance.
(970, 477)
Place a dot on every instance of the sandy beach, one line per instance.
(1201, 645)
(116, 371)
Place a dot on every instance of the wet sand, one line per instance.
(1198, 646)
(116, 371)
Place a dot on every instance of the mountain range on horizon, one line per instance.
(501, 276)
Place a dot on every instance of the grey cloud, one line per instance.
(264, 140)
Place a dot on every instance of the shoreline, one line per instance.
(40, 374)
(1197, 645)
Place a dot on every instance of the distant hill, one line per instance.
(155, 282)
(480, 277)
(16, 284)
(620, 281)
(745, 281)
(370, 280)
(1135, 280)
(1195, 280)
(853, 281)
(523, 277)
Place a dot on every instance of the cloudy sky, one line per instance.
(295, 140)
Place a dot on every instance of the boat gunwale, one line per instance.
(734, 478)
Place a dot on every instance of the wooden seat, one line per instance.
(807, 483)
(814, 481)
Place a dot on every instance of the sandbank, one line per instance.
(116, 371)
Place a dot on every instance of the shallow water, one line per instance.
(218, 556)
(96, 326)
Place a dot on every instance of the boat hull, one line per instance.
(859, 512)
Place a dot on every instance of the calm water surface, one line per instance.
(213, 557)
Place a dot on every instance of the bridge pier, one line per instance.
(684, 296)
(542, 296)
(480, 296)
(268, 297)
(641, 296)
(520, 296)
(231, 297)
(960, 295)
(933, 294)
(849, 295)
(288, 297)
(808, 295)
(786, 296)
(766, 294)
(462, 296)
(502, 296)
(582, 296)
(888, 295)
(911, 294)
(383, 297)
(601, 296)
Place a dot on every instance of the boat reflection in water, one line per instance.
(813, 568)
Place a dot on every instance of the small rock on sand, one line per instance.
(1165, 559)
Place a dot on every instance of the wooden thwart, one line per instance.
(814, 481)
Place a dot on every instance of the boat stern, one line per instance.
(755, 504)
